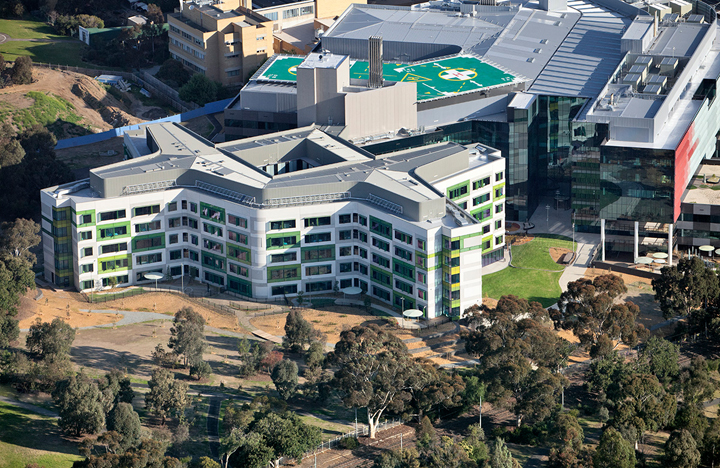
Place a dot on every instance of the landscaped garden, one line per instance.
(536, 274)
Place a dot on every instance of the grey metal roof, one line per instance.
(679, 39)
(588, 55)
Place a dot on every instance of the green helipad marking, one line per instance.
(434, 79)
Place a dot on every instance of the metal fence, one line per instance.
(107, 297)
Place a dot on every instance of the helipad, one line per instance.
(434, 79)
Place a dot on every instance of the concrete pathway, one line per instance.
(30, 407)
(213, 425)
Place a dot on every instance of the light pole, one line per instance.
(402, 311)
(547, 216)
(573, 229)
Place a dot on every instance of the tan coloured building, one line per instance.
(224, 41)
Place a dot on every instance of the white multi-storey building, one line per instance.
(275, 215)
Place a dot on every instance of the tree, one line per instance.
(17, 238)
(22, 70)
(711, 444)
(433, 388)
(200, 369)
(166, 396)
(374, 372)
(80, 405)
(188, 337)
(614, 451)
(155, 14)
(681, 451)
(125, 421)
(696, 383)
(148, 454)
(684, 288)
(173, 73)
(200, 90)
(287, 435)
(299, 332)
(501, 457)
(285, 378)
(314, 356)
(474, 394)
(204, 462)
(691, 418)
(590, 310)
(50, 339)
(252, 451)
(660, 358)
(116, 388)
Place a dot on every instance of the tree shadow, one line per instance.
(225, 343)
(27, 429)
(105, 359)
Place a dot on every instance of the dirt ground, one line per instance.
(93, 155)
(332, 323)
(556, 253)
(61, 303)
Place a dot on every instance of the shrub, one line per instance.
(349, 443)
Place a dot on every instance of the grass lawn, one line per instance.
(61, 53)
(25, 435)
(535, 284)
(330, 430)
(28, 29)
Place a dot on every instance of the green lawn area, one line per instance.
(25, 435)
(61, 53)
(28, 29)
(330, 430)
(533, 285)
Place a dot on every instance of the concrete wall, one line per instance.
(380, 110)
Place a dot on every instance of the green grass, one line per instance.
(60, 53)
(46, 110)
(533, 285)
(28, 29)
(536, 253)
(25, 437)
(330, 430)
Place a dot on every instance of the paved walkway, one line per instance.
(30, 407)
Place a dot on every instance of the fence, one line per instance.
(107, 297)
(334, 443)
(163, 91)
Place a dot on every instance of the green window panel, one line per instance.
(283, 273)
(458, 190)
(286, 240)
(320, 253)
(113, 231)
(85, 218)
(381, 227)
(380, 276)
(407, 303)
(118, 263)
(212, 213)
(403, 269)
(150, 242)
(241, 254)
(239, 286)
(214, 262)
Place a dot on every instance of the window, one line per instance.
(212, 229)
(116, 264)
(111, 215)
(283, 274)
(380, 276)
(404, 270)
(86, 235)
(359, 235)
(315, 238)
(422, 294)
(237, 237)
(194, 240)
(193, 207)
(318, 270)
(481, 183)
(457, 191)
(146, 227)
(88, 251)
(486, 229)
(405, 254)
(85, 219)
(420, 261)
(455, 278)
(421, 244)
(283, 241)
(486, 245)
(87, 268)
(499, 192)
(88, 284)
(288, 224)
(213, 261)
(319, 286)
(380, 227)
(482, 214)
(59, 231)
(148, 242)
(345, 251)
(238, 270)
(117, 280)
(403, 286)
(173, 239)
(213, 278)
(172, 206)
(421, 277)
(150, 258)
(362, 268)
(307, 10)
(314, 254)
(285, 289)
(498, 224)
(345, 283)
(345, 235)
(499, 176)
(283, 257)
(273, 15)
(485, 197)
(184, 205)
(238, 253)
(212, 213)
(110, 248)
(291, 13)
(361, 220)
(498, 240)
(346, 267)
(344, 219)
(175, 254)
(59, 215)
(212, 245)
(498, 208)
(454, 262)
(380, 244)
(381, 293)
(359, 251)
(240, 286)
(402, 237)
(146, 210)
(321, 221)
(237, 221)
(111, 232)
(380, 260)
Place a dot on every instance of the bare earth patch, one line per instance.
(556, 253)
(332, 323)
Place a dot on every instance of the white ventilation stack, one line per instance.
(375, 62)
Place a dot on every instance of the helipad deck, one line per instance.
(434, 79)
